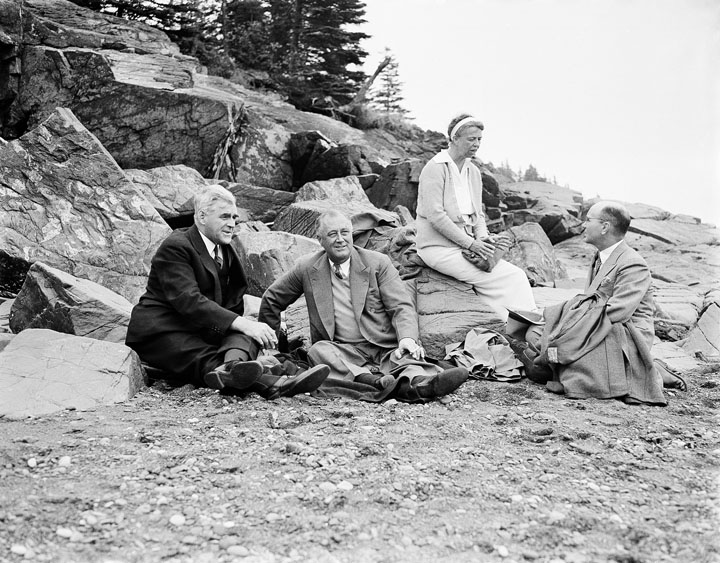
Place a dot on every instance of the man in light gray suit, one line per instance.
(598, 343)
(362, 321)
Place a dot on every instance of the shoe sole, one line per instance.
(304, 383)
(241, 377)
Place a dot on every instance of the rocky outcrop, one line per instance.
(58, 301)
(66, 203)
(397, 185)
(556, 209)
(266, 256)
(261, 204)
(42, 371)
(703, 342)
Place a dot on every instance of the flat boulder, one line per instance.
(43, 371)
(676, 232)
(447, 310)
(676, 302)
(55, 300)
(266, 256)
(64, 201)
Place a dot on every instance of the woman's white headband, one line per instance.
(462, 123)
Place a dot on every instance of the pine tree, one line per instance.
(387, 96)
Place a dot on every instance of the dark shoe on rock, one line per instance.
(422, 388)
(274, 386)
(234, 376)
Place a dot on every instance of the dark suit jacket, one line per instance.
(183, 292)
(383, 307)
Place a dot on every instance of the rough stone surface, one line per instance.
(447, 310)
(557, 209)
(532, 251)
(66, 202)
(268, 255)
(336, 162)
(397, 185)
(337, 190)
(42, 371)
(676, 232)
(676, 302)
(705, 337)
(169, 189)
(299, 218)
(261, 204)
(58, 301)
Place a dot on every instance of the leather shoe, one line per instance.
(422, 388)
(234, 376)
(274, 386)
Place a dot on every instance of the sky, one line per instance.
(616, 98)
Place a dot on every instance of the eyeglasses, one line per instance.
(587, 219)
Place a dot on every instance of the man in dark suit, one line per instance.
(189, 321)
(362, 321)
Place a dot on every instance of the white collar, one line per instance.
(210, 245)
(344, 267)
(605, 254)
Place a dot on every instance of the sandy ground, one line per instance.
(494, 472)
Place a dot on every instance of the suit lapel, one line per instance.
(322, 293)
(359, 283)
(206, 260)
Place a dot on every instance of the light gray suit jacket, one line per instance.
(381, 301)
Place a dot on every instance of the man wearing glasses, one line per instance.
(598, 343)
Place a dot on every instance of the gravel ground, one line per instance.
(494, 472)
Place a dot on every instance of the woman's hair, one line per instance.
(474, 122)
(208, 196)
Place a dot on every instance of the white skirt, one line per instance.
(506, 287)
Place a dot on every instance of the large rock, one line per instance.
(42, 371)
(169, 189)
(447, 310)
(704, 340)
(676, 232)
(556, 208)
(397, 185)
(532, 251)
(261, 204)
(337, 190)
(58, 301)
(299, 218)
(65, 202)
(266, 256)
(336, 162)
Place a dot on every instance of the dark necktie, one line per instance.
(218, 257)
(596, 266)
(338, 272)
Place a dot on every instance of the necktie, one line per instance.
(338, 272)
(218, 257)
(596, 266)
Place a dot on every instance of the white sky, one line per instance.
(618, 98)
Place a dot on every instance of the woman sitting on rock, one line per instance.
(450, 220)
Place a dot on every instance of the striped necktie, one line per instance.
(338, 272)
(218, 256)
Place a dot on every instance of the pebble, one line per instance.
(345, 485)
(64, 461)
(177, 519)
(18, 549)
(238, 551)
(64, 532)
(32, 462)
(327, 486)
(272, 517)
(502, 551)
(516, 498)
